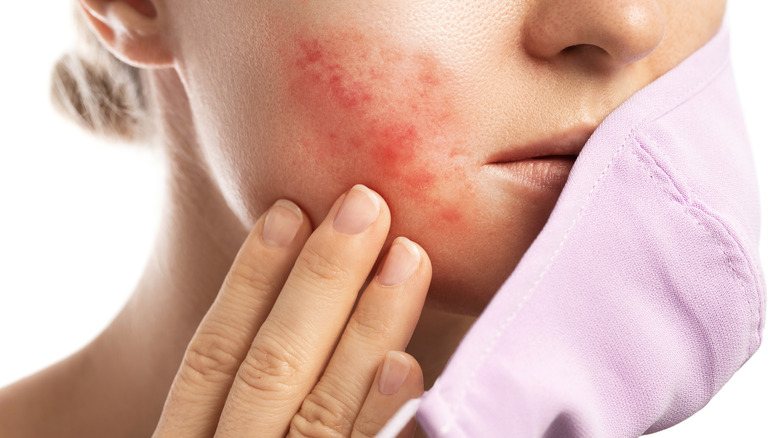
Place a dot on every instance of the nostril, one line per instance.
(586, 51)
(585, 47)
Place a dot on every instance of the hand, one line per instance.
(270, 359)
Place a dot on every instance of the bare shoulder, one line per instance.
(42, 404)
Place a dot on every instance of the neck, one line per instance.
(199, 236)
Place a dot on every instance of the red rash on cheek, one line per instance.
(376, 115)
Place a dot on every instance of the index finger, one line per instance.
(222, 339)
(293, 346)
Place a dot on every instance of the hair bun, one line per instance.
(100, 93)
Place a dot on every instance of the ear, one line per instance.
(133, 30)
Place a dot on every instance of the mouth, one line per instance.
(542, 164)
(564, 144)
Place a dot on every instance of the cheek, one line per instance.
(380, 115)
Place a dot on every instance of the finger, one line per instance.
(224, 335)
(398, 380)
(384, 319)
(293, 345)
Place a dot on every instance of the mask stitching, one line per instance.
(688, 196)
(686, 207)
(690, 201)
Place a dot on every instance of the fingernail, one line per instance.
(282, 223)
(359, 210)
(401, 261)
(394, 372)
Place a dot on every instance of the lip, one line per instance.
(564, 144)
(543, 164)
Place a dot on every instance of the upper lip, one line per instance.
(564, 143)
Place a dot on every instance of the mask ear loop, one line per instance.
(400, 419)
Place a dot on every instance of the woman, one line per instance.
(300, 101)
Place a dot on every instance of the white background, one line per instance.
(77, 216)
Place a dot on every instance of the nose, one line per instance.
(608, 34)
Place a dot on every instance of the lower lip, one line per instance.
(547, 173)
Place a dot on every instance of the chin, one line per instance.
(460, 297)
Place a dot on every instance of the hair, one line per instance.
(102, 94)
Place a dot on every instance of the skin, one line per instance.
(300, 100)
(411, 99)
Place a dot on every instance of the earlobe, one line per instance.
(133, 30)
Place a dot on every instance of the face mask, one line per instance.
(642, 295)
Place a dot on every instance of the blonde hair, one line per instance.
(102, 94)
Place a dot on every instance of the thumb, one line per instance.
(398, 380)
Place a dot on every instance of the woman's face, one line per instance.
(419, 100)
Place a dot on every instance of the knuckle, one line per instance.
(321, 268)
(245, 275)
(371, 325)
(321, 415)
(209, 358)
(270, 367)
(366, 427)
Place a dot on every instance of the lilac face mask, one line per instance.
(642, 295)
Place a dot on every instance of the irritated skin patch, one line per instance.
(383, 116)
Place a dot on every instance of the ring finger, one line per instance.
(384, 320)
